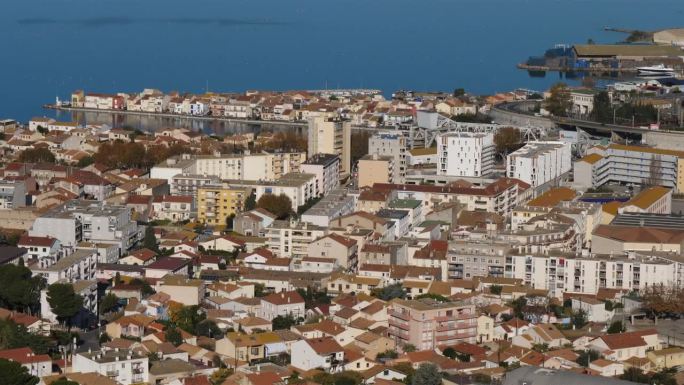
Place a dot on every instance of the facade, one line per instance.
(253, 223)
(172, 208)
(292, 238)
(282, 304)
(326, 167)
(539, 162)
(334, 204)
(78, 221)
(12, 194)
(326, 136)
(324, 353)
(631, 164)
(465, 154)
(78, 266)
(299, 187)
(391, 144)
(126, 367)
(428, 324)
(374, 168)
(469, 259)
(216, 203)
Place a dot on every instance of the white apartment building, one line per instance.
(630, 164)
(465, 154)
(588, 274)
(299, 187)
(391, 144)
(333, 205)
(79, 266)
(539, 162)
(326, 136)
(123, 366)
(326, 167)
(292, 238)
(77, 221)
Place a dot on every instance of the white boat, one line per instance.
(659, 69)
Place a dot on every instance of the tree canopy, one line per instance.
(13, 373)
(427, 374)
(19, 289)
(390, 292)
(559, 102)
(37, 155)
(64, 302)
(283, 322)
(279, 205)
(506, 140)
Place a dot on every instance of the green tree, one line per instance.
(616, 327)
(173, 335)
(434, 296)
(496, 289)
(64, 302)
(587, 356)
(449, 352)
(109, 303)
(559, 102)
(19, 289)
(208, 328)
(602, 110)
(283, 322)
(85, 161)
(251, 203)
(390, 292)
(427, 374)
(37, 155)
(42, 130)
(150, 240)
(408, 348)
(579, 319)
(15, 374)
(279, 205)
(144, 285)
(13, 335)
(188, 317)
(387, 354)
(220, 375)
(458, 92)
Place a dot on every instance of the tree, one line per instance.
(559, 102)
(19, 289)
(587, 356)
(449, 352)
(390, 292)
(37, 155)
(188, 317)
(64, 302)
(150, 240)
(251, 203)
(144, 285)
(359, 145)
(109, 303)
(602, 110)
(408, 348)
(283, 322)
(458, 92)
(506, 140)
(219, 376)
(229, 221)
(279, 205)
(541, 348)
(173, 336)
(660, 300)
(208, 328)
(616, 327)
(427, 374)
(387, 354)
(13, 335)
(433, 296)
(496, 289)
(13, 373)
(579, 319)
(85, 161)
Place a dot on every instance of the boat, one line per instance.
(659, 69)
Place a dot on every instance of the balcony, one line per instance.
(398, 324)
(398, 333)
(400, 315)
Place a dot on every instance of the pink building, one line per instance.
(427, 324)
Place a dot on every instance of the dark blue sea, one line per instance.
(51, 47)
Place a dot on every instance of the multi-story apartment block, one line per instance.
(427, 324)
(391, 144)
(327, 136)
(561, 273)
(630, 164)
(465, 154)
(77, 221)
(539, 162)
(326, 167)
(334, 204)
(299, 187)
(215, 203)
(187, 184)
(292, 238)
(126, 367)
(12, 194)
(175, 208)
(81, 265)
(468, 259)
(374, 168)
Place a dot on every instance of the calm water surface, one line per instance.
(51, 47)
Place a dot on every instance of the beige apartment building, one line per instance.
(215, 203)
(327, 136)
(376, 169)
(428, 324)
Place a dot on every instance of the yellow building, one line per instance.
(375, 169)
(666, 358)
(216, 203)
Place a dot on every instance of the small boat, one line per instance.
(659, 70)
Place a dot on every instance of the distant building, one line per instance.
(215, 203)
(126, 367)
(538, 162)
(465, 154)
(391, 144)
(326, 167)
(326, 136)
(374, 168)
